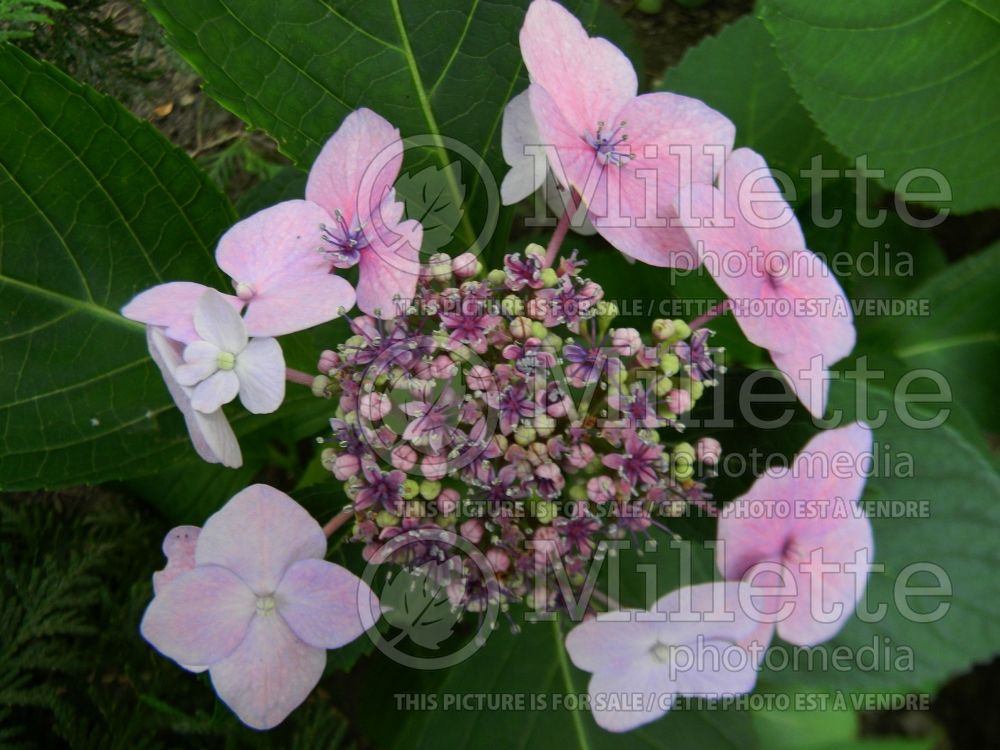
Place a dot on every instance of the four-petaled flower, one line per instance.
(260, 606)
(814, 559)
(224, 362)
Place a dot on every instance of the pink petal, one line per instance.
(269, 675)
(259, 534)
(217, 322)
(814, 621)
(219, 388)
(589, 79)
(722, 670)
(295, 303)
(811, 387)
(171, 306)
(568, 156)
(282, 239)
(704, 611)
(750, 528)
(660, 124)
(201, 617)
(788, 514)
(389, 269)
(609, 644)
(622, 209)
(527, 169)
(276, 260)
(801, 310)
(646, 686)
(178, 546)
(326, 605)
(261, 372)
(356, 168)
(211, 434)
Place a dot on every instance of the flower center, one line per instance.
(226, 361)
(346, 242)
(265, 605)
(243, 290)
(662, 652)
(608, 144)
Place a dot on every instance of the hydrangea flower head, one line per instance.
(211, 434)
(275, 258)
(501, 396)
(677, 648)
(352, 180)
(610, 146)
(260, 606)
(801, 518)
(783, 295)
(224, 362)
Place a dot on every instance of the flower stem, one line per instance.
(606, 600)
(560, 234)
(296, 376)
(337, 521)
(712, 314)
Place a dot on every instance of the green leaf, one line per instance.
(739, 74)
(437, 69)
(287, 184)
(951, 522)
(959, 336)
(94, 207)
(912, 85)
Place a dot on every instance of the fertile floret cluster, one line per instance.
(507, 410)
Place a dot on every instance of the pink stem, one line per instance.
(712, 314)
(338, 520)
(295, 376)
(560, 234)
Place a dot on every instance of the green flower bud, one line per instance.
(520, 327)
(681, 330)
(682, 461)
(552, 341)
(328, 458)
(319, 386)
(524, 435)
(410, 489)
(544, 425)
(496, 277)
(535, 249)
(512, 305)
(384, 518)
(549, 277)
(695, 387)
(429, 489)
(663, 329)
(544, 511)
(670, 364)
(664, 386)
(538, 330)
(578, 492)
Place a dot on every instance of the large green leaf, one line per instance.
(913, 85)
(739, 74)
(956, 337)
(94, 206)
(437, 69)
